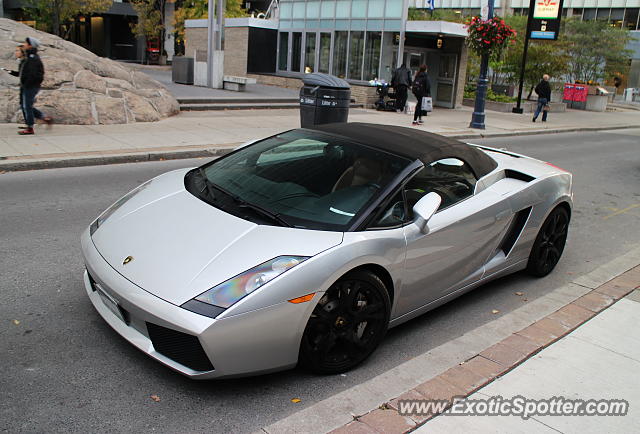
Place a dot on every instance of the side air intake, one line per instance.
(515, 229)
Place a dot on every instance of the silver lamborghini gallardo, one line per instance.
(305, 247)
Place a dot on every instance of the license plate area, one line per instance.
(111, 304)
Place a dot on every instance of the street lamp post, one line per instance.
(477, 118)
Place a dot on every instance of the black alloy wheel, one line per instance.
(347, 325)
(549, 243)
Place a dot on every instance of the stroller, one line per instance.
(387, 99)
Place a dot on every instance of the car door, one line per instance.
(461, 236)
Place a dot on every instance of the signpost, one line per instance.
(477, 118)
(543, 23)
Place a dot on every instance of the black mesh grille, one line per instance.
(181, 347)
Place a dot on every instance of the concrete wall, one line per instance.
(462, 76)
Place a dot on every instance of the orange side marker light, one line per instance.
(302, 299)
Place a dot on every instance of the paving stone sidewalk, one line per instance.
(192, 134)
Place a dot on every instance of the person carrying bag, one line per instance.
(421, 89)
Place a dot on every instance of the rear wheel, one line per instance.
(347, 325)
(549, 243)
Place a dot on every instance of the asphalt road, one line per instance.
(63, 369)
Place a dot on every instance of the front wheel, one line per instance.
(549, 243)
(347, 325)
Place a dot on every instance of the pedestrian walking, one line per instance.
(543, 90)
(401, 81)
(421, 87)
(31, 76)
(19, 55)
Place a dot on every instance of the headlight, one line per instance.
(230, 292)
(113, 208)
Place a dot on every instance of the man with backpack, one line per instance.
(421, 87)
(31, 76)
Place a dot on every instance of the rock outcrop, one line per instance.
(80, 87)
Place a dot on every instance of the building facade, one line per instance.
(620, 13)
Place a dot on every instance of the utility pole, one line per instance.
(215, 25)
(477, 118)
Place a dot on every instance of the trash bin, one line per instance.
(324, 99)
(182, 70)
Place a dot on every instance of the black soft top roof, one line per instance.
(412, 143)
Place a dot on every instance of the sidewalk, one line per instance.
(209, 133)
(589, 349)
(599, 360)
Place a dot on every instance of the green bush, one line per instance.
(470, 92)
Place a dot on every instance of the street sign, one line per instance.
(545, 16)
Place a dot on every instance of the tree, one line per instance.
(150, 24)
(594, 50)
(196, 9)
(55, 16)
(543, 57)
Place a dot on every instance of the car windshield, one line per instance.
(300, 178)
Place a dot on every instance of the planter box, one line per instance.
(597, 103)
(505, 107)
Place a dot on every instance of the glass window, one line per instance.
(451, 178)
(603, 14)
(359, 9)
(298, 10)
(342, 8)
(327, 9)
(631, 18)
(376, 9)
(300, 178)
(325, 52)
(392, 215)
(283, 51)
(285, 10)
(296, 51)
(372, 55)
(356, 52)
(393, 9)
(358, 24)
(310, 53)
(340, 53)
(589, 14)
(389, 53)
(313, 9)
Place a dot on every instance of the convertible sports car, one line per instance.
(305, 247)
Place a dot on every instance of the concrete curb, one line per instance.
(496, 360)
(81, 159)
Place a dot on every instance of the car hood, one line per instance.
(182, 246)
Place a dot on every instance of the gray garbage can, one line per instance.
(324, 99)
(182, 70)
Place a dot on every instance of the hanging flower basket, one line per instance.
(489, 36)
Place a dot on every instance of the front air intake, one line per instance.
(180, 347)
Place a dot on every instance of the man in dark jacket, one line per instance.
(543, 90)
(401, 81)
(31, 76)
(421, 87)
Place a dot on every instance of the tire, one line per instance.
(347, 325)
(549, 244)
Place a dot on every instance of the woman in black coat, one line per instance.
(421, 87)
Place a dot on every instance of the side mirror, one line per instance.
(425, 209)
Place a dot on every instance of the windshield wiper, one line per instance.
(207, 183)
(256, 208)
(264, 212)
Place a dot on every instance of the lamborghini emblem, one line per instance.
(127, 260)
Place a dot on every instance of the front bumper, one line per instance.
(260, 341)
